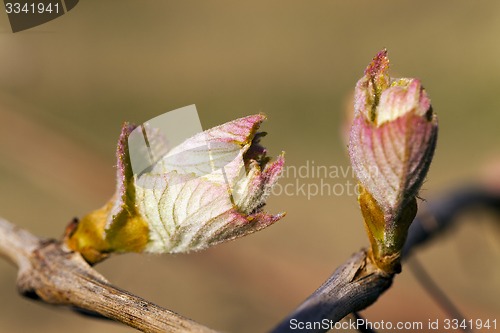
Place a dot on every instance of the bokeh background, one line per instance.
(66, 87)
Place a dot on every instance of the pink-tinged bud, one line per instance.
(392, 142)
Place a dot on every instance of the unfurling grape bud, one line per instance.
(176, 205)
(392, 141)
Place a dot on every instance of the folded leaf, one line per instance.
(208, 189)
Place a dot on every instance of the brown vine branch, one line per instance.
(442, 213)
(50, 273)
(352, 287)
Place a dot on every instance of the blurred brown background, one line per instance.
(66, 87)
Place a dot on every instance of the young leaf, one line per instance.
(209, 189)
